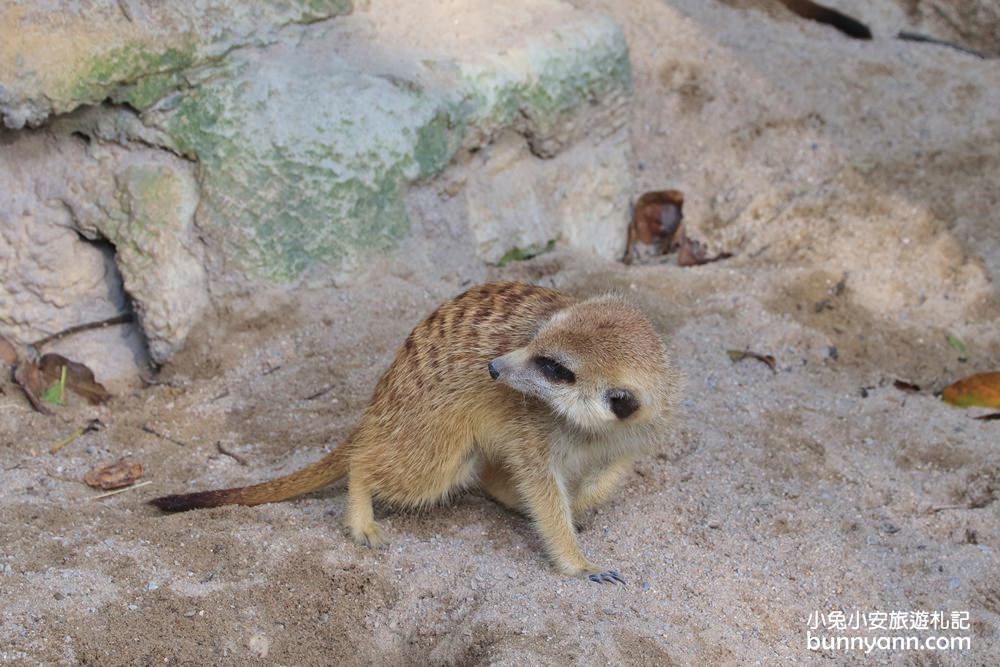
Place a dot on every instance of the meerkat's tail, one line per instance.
(822, 14)
(330, 468)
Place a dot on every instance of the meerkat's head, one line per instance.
(598, 363)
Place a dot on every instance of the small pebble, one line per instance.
(152, 586)
(259, 645)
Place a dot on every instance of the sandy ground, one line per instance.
(857, 185)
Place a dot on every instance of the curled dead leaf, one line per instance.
(114, 475)
(36, 378)
(993, 416)
(29, 377)
(980, 390)
(908, 387)
(657, 228)
(79, 378)
(740, 355)
(656, 217)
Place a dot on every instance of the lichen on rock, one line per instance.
(108, 46)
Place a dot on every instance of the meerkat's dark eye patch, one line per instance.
(622, 403)
(554, 371)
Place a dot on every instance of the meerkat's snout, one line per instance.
(515, 370)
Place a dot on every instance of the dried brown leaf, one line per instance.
(740, 355)
(990, 417)
(29, 376)
(79, 378)
(908, 387)
(656, 218)
(114, 475)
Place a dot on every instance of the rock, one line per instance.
(574, 198)
(307, 146)
(69, 199)
(127, 50)
(259, 645)
(51, 278)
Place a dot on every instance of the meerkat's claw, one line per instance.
(609, 577)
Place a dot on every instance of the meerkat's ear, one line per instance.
(622, 402)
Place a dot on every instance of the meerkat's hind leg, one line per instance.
(497, 483)
(360, 517)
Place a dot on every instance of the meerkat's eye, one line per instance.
(622, 403)
(554, 371)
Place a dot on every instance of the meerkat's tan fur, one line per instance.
(542, 400)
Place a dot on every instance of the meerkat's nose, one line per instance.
(494, 373)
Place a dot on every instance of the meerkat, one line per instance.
(541, 400)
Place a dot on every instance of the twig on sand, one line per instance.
(317, 394)
(117, 319)
(233, 455)
(92, 425)
(935, 510)
(117, 491)
(148, 429)
(927, 39)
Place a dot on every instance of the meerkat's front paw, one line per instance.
(368, 535)
(588, 570)
(607, 577)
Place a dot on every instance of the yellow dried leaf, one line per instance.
(982, 390)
